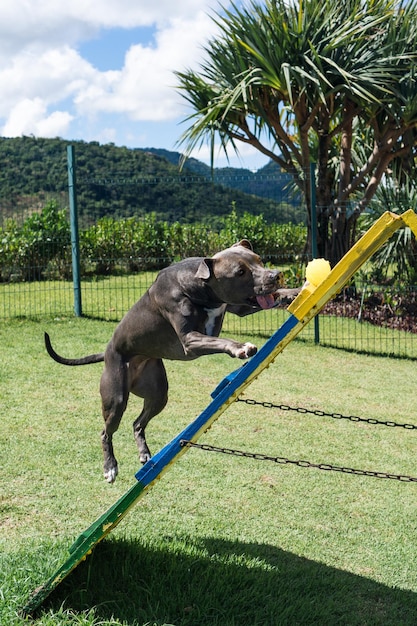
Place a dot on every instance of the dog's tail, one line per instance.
(86, 360)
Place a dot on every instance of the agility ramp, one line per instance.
(308, 303)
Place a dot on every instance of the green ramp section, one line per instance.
(307, 304)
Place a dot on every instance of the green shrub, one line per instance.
(283, 243)
(33, 250)
(9, 250)
(41, 248)
(188, 240)
(139, 243)
(150, 247)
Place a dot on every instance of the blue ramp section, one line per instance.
(225, 393)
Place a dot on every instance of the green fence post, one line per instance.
(75, 246)
(314, 247)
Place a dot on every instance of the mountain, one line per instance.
(267, 182)
(121, 182)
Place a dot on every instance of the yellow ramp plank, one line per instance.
(311, 300)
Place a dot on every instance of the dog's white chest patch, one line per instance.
(212, 315)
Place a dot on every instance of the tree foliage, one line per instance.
(121, 182)
(396, 260)
(313, 81)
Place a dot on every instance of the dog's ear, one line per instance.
(245, 243)
(205, 269)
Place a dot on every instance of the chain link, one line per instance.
(318, 413)
(300, 463)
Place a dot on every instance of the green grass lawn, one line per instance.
(108, 298)
(220, 540)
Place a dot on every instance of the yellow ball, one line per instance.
(317, 270)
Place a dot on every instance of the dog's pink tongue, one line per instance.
(266, 302)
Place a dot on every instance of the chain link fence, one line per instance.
(109, 297)
(40, 286)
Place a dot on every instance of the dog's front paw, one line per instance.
(247, 350)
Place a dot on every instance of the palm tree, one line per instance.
(311, 81)
(397, 258)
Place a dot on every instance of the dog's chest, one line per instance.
(213, 317)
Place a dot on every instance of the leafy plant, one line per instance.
(396, 260)
(41, 247)
(28, 250)
(310, 81)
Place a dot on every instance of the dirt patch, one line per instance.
(380, 308)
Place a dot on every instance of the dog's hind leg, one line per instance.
(149, 381)
(114, 392)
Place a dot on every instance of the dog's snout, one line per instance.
(275, 277)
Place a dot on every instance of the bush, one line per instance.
(41, 248)
(283, 243)
(31, 251)
(188, 240)
(142, 244)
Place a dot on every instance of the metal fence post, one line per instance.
(314, 246)
(75, 247)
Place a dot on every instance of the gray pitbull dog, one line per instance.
(180, 317)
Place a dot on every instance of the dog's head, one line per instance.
(237, 276)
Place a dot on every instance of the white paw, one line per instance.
(111, 474)
(247, 350)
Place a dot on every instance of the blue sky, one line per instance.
(107, 50)
(103, 70)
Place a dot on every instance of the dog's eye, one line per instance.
(240, 271)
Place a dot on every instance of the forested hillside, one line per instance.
(121, 182)
(267, 182)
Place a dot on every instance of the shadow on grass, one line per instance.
(213, 582)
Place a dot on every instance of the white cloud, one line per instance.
(144, 87)
(36, 86)
(51, 75)
(51, 23)
(49, 89)
(31, 117)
